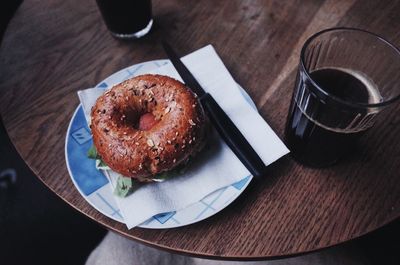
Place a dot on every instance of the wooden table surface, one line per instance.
(54, 48)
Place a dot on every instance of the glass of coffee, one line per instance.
(126, 19)
(345, 78)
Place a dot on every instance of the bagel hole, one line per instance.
(140, 121)
(146, 122)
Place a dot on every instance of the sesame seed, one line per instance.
(192, 122)
(173, 161)
(150, 142)
(167, 110)
(168, 141)
(176, 133)
(190, 141)
(136, 143)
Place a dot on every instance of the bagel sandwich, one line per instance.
(146, 128)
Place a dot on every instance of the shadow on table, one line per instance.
(37, 227)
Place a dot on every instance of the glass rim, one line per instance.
(329, 95)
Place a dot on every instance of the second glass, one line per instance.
(346, 77)
(127, 19)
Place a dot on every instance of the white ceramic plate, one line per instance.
(96, 189)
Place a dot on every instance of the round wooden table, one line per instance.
(51, 49)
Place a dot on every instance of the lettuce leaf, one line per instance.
(125, 186)
(92, 153)
(100, 165)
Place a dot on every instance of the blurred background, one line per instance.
(30, 213)
(36, 226)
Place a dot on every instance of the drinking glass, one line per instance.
(126, 19)
(346, 77)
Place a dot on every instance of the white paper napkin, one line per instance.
(214, 168)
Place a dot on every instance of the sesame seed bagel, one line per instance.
(176, 134)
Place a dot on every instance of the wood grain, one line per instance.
(53, 48)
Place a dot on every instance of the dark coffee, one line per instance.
(312, 142)
(125, 17)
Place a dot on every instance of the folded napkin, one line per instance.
(216, 166)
